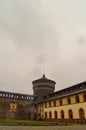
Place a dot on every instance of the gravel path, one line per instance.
(74, 127)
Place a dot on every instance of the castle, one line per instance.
(66, 105)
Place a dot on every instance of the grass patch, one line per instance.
(23, 122)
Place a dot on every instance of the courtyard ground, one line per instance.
(72, 127)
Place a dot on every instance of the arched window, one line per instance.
(62, 114)
(70, 114)
(55, 114)
(77, 99)
(60, 102)
(81, 113)
(50, 114)
(69, 101)
(45, 114)
(84, 97)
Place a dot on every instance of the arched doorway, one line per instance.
(50, 114)
(62, 114)
(70, 113)
(45, 114)
(29, 115)
(55, 114)
(81, 114)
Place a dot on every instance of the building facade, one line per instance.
(13, 105)
(66, 105)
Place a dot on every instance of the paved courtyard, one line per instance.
(74, 127)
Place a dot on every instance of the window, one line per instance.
(6, 95)
(84, 97)
(55, 114)
(0, 94)
(81, 113)
(69, 101)
(60, 101)
(17, 96)
(77, 99)
(70, 114)
(22, 97)
(50, 104)
(27, 98)
(62, 114)
(31, 98)
(54, 102)
(9, 95)
(12, 96)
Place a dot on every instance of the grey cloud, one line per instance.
(41, 34)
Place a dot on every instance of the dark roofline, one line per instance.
(78, 88)
(71, 87)
(61, 96)
(43, 79)
(16, 93)
(84, 82)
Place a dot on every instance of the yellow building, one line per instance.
(67, 105)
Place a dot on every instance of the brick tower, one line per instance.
(43, 86)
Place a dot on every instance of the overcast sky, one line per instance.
(42, 36)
